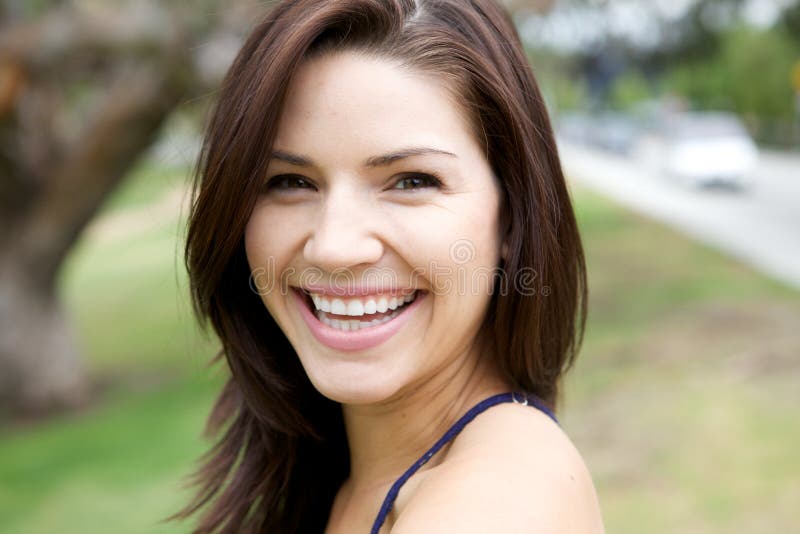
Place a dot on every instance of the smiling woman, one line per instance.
(383, 241)
(347, 213)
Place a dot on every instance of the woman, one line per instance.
(383, 241)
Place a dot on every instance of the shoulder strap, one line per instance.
(520, 398)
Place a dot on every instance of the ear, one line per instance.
(504, 228)
(505, 234)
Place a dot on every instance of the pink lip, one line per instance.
(356, 291)
(360, 339)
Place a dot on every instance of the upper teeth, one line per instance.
(360, 306)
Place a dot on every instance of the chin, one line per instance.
(357, 387)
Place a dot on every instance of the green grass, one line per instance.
(683, 400)
(115, 467)
(130, 302)
(145, 184)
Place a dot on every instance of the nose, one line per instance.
(344, 233)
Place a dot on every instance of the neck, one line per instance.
(385, 439)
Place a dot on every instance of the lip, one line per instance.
(357, 291)
(362, 339)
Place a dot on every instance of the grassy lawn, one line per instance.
(116, 467)
(119, 463)
(683, 401)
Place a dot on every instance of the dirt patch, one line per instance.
(743, 339)
(660, 401)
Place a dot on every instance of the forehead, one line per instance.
(350, 104)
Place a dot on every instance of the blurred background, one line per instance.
(679, 128)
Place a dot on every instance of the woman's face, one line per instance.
(377, 197)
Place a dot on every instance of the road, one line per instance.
(759, 226)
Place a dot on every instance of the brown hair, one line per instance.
(283, 453)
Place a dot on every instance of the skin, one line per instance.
(398, 398)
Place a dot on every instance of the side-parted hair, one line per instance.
(282, 452)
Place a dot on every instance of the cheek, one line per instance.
(264, 238)
(267, 251)
(457, 250)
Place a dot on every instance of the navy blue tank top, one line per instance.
(520, 398)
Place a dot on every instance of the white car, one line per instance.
(703, 149)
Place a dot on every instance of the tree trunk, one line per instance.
(52, 184)
(40, 366)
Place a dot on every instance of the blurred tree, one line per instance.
(790, 20)
(726, 81)
(628, 90)
(708, 51)
(84, 89)
(695, 36)
(557, 76)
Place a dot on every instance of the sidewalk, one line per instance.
(760, 227)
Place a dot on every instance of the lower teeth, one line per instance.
(355, 324)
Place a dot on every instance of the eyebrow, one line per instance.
(373, 161)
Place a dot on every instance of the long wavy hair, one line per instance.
(281, 452)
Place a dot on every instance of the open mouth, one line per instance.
(350, 314)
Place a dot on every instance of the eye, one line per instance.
(288, 182)
(417, 181)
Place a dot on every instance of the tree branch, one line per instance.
(124, 125)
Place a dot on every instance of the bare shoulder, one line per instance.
(512, 469)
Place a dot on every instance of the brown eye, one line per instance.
(288, 181)
(417, 181)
